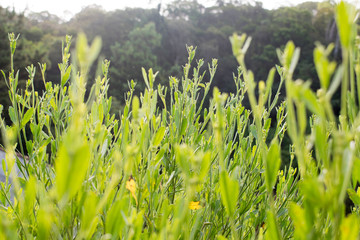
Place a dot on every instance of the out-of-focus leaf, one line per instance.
(350, 228)
(71, 168)
(272, 231)
(159, 136)
(273, 162)
(298, 217)
(229, 190)
(312, 191)
(345, 16)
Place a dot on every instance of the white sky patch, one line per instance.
(67, 8)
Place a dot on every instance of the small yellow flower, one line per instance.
(131, 186)
(194, 205)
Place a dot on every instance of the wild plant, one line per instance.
(171, 168)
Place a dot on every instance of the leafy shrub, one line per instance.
(176, 170)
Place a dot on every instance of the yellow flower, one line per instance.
(194, 205)
(131, 186)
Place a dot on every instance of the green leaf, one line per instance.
(183, 126)
(30, 196)
(44, 220)
(294, 60)
(159, 136)
(114, 222)
(71, 167)
(272, 231)
(345, 15)
(205, 164)
(273, 162)
(313, 191)
(267, 124)
(269, 83)
(229, 190)
(145, 77)
(152, 77)
(87, 55)
(89, 218)
(94, 49)
(309, 97)
(286, 56)
(66, 76)
(81, 48)
(356, 171)
(253, 131)
(12, 115)
(3, 165)
(182, 155)
(346, 169)
(350, 228)
(135, 108)
(29, 146)
(354, 196)
(27, 116)
(324, 68)
(298, 218)
(4, 75)
(321, 142)
(335, 83)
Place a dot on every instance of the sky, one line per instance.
(67, 8)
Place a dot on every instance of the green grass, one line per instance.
(169, 168)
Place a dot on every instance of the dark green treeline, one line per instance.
(157, 38)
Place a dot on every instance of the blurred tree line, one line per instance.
(135, 38)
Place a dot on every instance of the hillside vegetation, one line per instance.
(157, 38)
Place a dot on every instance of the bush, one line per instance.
(175, 169)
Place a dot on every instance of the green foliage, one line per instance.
(171, 168)
(132, 39)
(76, 180)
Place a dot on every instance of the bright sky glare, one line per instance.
(67, 8)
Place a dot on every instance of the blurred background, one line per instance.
(154, 34)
